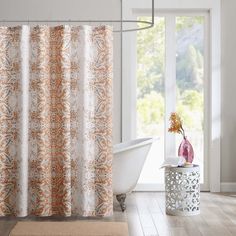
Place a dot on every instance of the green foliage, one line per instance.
(150, 112)
(150, 54)
(151, 74)
(190, 69)
(193, 99)
(190, 106)
(185, 22)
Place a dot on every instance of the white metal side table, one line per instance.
(182, 186)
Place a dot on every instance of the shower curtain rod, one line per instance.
(149, 24)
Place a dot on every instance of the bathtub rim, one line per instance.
(125, 145)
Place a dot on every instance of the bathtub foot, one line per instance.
(121, 199)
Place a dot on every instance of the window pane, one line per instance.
(189, 80)
(150, 95)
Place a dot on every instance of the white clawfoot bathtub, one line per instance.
(128, 161)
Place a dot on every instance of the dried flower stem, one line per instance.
(176, 124)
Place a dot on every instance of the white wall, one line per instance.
(228, 144)
(73, 9)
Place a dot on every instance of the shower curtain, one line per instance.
(55, 120)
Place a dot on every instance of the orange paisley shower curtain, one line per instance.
(55, 120)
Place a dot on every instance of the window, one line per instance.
(172, 75)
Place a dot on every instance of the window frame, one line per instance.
(214, 92)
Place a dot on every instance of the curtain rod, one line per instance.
(149, 24)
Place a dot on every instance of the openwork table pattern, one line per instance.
(182, 186)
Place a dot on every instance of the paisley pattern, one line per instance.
(56, 120)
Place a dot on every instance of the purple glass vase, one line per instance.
(186, 150)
